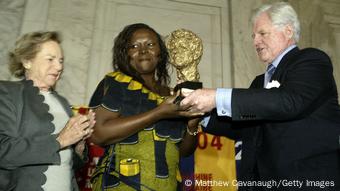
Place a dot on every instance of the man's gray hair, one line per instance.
(281, 14)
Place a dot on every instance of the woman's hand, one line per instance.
(170, 109)
(79, 127)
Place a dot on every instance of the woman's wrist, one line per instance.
(61, 142)
(192, 132)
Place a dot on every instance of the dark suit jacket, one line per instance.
(291, 132)
(27, 145)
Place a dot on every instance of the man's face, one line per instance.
(270, 41)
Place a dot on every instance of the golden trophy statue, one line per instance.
(185, 51)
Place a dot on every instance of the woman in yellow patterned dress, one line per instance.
(143, 133)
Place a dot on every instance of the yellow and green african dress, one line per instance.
(147, 160)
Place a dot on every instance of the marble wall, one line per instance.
(11, 14)
(89, 26)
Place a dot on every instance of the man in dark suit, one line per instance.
(289, 118)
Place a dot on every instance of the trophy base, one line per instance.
(187, 87)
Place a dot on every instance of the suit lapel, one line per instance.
(285, 61)
(258, 82)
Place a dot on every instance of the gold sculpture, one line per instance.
(185, 52)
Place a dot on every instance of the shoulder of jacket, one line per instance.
(313, 51)
(258, 78)
(11, 86)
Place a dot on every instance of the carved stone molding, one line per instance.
(11, 12)
(331, 13)
(214, 3)
(331, 16)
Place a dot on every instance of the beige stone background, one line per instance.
(88, 28)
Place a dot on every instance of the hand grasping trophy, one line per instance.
(185, 51)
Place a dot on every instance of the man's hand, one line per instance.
(199, 101)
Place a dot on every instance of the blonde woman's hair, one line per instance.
(26, 48)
